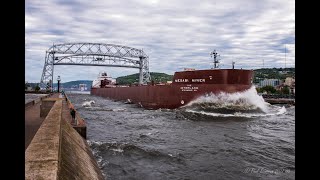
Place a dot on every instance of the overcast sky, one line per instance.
(175, 34)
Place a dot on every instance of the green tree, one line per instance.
(269, 89)
(37, 88)
(259, 90)
(285, 90)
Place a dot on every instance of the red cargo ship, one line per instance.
(186, 86)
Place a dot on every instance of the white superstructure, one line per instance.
(82, 87)
(102, 76)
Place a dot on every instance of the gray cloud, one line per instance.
(175, 34)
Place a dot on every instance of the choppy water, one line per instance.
(235, 136)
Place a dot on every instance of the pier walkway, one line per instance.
(32, 120)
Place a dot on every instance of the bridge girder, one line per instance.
(94, 54)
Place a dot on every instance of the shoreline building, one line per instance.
(290, 81)
(270, 82)
(82, 87)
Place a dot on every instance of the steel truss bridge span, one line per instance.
(94, 54)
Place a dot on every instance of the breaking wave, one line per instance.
(241, 104)
(281, 110)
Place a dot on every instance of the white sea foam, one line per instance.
(87, 103)
(119, 109)
(282, 110)
(243, 104)
(91, 142)
(117, 150)
(246, 100)
(238, 114)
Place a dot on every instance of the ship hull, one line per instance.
(186, 86)
(165, 96)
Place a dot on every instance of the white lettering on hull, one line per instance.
(198, 80)
(183, 88)
(181, 80)
(192, 80)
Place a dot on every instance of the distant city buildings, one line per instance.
(270, 82)
(82, 87)
(278, 84)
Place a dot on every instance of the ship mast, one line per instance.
(215, 60)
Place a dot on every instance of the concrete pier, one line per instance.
(57, 150)
(33, 119)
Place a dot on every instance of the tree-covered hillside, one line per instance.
(74, 84)
(273, 73)
(70, 84)
(134, 78)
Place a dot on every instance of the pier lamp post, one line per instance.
(58, 83)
